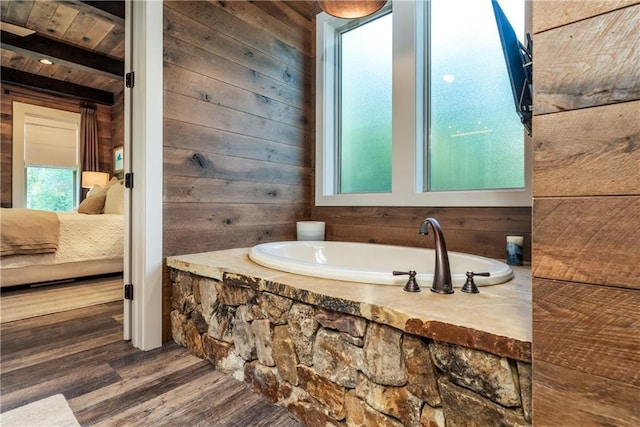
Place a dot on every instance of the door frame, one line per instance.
(143, 142)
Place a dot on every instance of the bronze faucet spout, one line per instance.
(442, 283)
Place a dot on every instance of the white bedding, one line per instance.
(83, 238)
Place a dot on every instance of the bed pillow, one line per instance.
(94, 204)
(114, 203)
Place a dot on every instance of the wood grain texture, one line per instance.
(480, 231)
(549, 14)
(564, 397)
(181, 162)
(201, 138)
(587, 240)
(237, 125)
(588, 152)
(591, 329)
(81, 354)
(588, 63)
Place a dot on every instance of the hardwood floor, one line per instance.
(80, 353)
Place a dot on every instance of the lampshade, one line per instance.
(349, 9)
(89, 179)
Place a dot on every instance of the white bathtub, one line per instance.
(372, 263)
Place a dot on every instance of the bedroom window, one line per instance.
(436, 126)
(45, 158)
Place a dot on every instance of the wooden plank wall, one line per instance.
(117, 125)
(586, 251)
(480, 231)
(12, 93)
(237, 114)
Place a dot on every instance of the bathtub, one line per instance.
(372, 263)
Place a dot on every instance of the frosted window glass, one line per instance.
(365, 108)
(476, 138)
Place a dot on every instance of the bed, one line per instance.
(87, 245)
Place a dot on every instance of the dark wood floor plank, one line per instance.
(26, 357)
(81, 354)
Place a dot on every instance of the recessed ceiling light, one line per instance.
(46, 61)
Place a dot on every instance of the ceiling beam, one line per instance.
(111, 7)
(55, 87)
(64, 54)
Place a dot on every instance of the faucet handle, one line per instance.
(412, 284)
(470, 286)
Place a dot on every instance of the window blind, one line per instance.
(50, 142)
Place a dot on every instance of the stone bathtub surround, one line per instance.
(333, 354)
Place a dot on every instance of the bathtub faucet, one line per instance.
(442, 272)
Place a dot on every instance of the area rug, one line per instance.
(51, 411)
(26, 303)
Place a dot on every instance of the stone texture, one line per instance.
(195, 287)
(221, 323)
(198, 319)
(193, 339)
(357, 341)
(208, 297)
(384, 362)
(463, 407)
(310, 414)
(302, 326)
(178, 323)
(264, 380)
(359, 414)
(432, 417)
(352, 325)
(421, 373)
(335, 359)
(275, 307)
(284, 355)
(221, 355)
(330, 394)
(180, 289)
(264, 341)
(243, 337)
(484, 373)
(395, 401)
(524, 378)
(189, 304)
(234, 295)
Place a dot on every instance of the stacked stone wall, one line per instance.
(332, 368)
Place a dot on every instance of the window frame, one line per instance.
(407, 125)
(19, 176)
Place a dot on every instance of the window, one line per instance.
(45, 158)
(414, 109)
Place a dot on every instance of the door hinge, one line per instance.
(128, 291)
(128, 180)
(129, 79)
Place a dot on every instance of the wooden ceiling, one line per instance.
(84, 39)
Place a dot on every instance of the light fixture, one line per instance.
(46, 61)
(350, 9)
(89, 179)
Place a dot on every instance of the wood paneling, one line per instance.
(237, 107)
(576, 155)
(586, 323)
(588, 240)
(480, 231)
(579, 327)
(551, 14)
(10, 94)
(74, 23)
(588, 63)
(566, 397)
